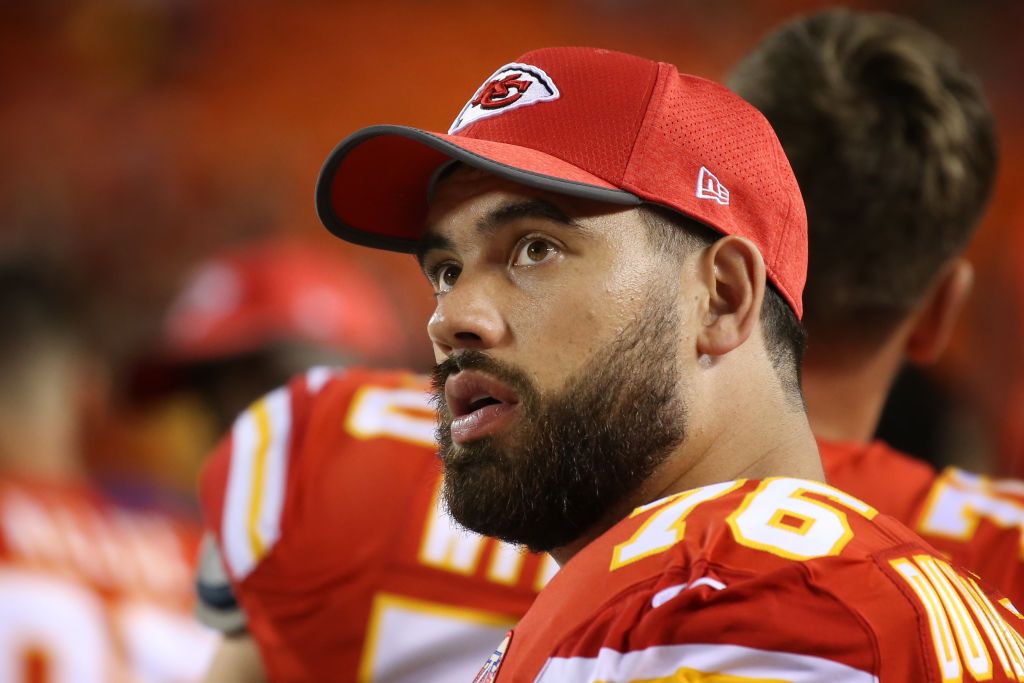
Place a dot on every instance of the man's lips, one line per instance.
(479, 404)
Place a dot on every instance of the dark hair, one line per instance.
(37, 304)
(893, 146)
(784, 336)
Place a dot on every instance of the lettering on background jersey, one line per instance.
(548, 569)
(448, 546)
(52, 626)
(407, 415)
(57, 629)
(506, 565)
(960, 500)
(448, 640)
(113, 551)
(400, 414)
(965, 626)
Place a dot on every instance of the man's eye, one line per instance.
(447, 274)
(533, 251)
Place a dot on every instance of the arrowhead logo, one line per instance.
(512, 86)
(709, 187)
(497, 94)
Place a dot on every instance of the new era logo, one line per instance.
(709, 187)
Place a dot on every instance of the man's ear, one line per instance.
(732, 269)
(937, 315)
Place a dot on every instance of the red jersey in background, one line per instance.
(324, 500)
(93, 593)
(973, 520)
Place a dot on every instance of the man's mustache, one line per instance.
(470, 359)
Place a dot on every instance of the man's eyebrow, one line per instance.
(526, 208)
(429, 243)
(509, 211)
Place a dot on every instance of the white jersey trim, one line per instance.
(256, 482)
(669, 661)
(320, 375)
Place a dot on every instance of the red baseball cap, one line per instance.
(279, 290)
(588, 123)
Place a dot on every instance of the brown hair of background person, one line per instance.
(893, 145)
(883, 79)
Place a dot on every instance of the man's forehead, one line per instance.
(458, 179)
(456, 183)
(460, 171)
(459, 187)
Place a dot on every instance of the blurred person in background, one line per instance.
(893, 145)
(90, 592)
(245, 320)
(257, 313)
(329, 558)
(335, 559)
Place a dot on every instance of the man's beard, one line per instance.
(571, 457)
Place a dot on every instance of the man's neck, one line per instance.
(846, 389)
(737, 449)
(747, 451)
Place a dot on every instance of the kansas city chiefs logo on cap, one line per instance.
(512, 86)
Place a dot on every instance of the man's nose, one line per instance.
(468, 317)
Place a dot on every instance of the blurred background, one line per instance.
(141, 138)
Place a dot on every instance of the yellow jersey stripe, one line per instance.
(259, 468)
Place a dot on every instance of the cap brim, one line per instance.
(373, 187)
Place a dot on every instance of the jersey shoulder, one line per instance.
(973, 520)
(313, 451)
(894, 482)
(918, 619)
(978, 522)
(781, 578)
(757, 526)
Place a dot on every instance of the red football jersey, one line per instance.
(774, 580)
(973, 520)
(92, 593)
(324, 501)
